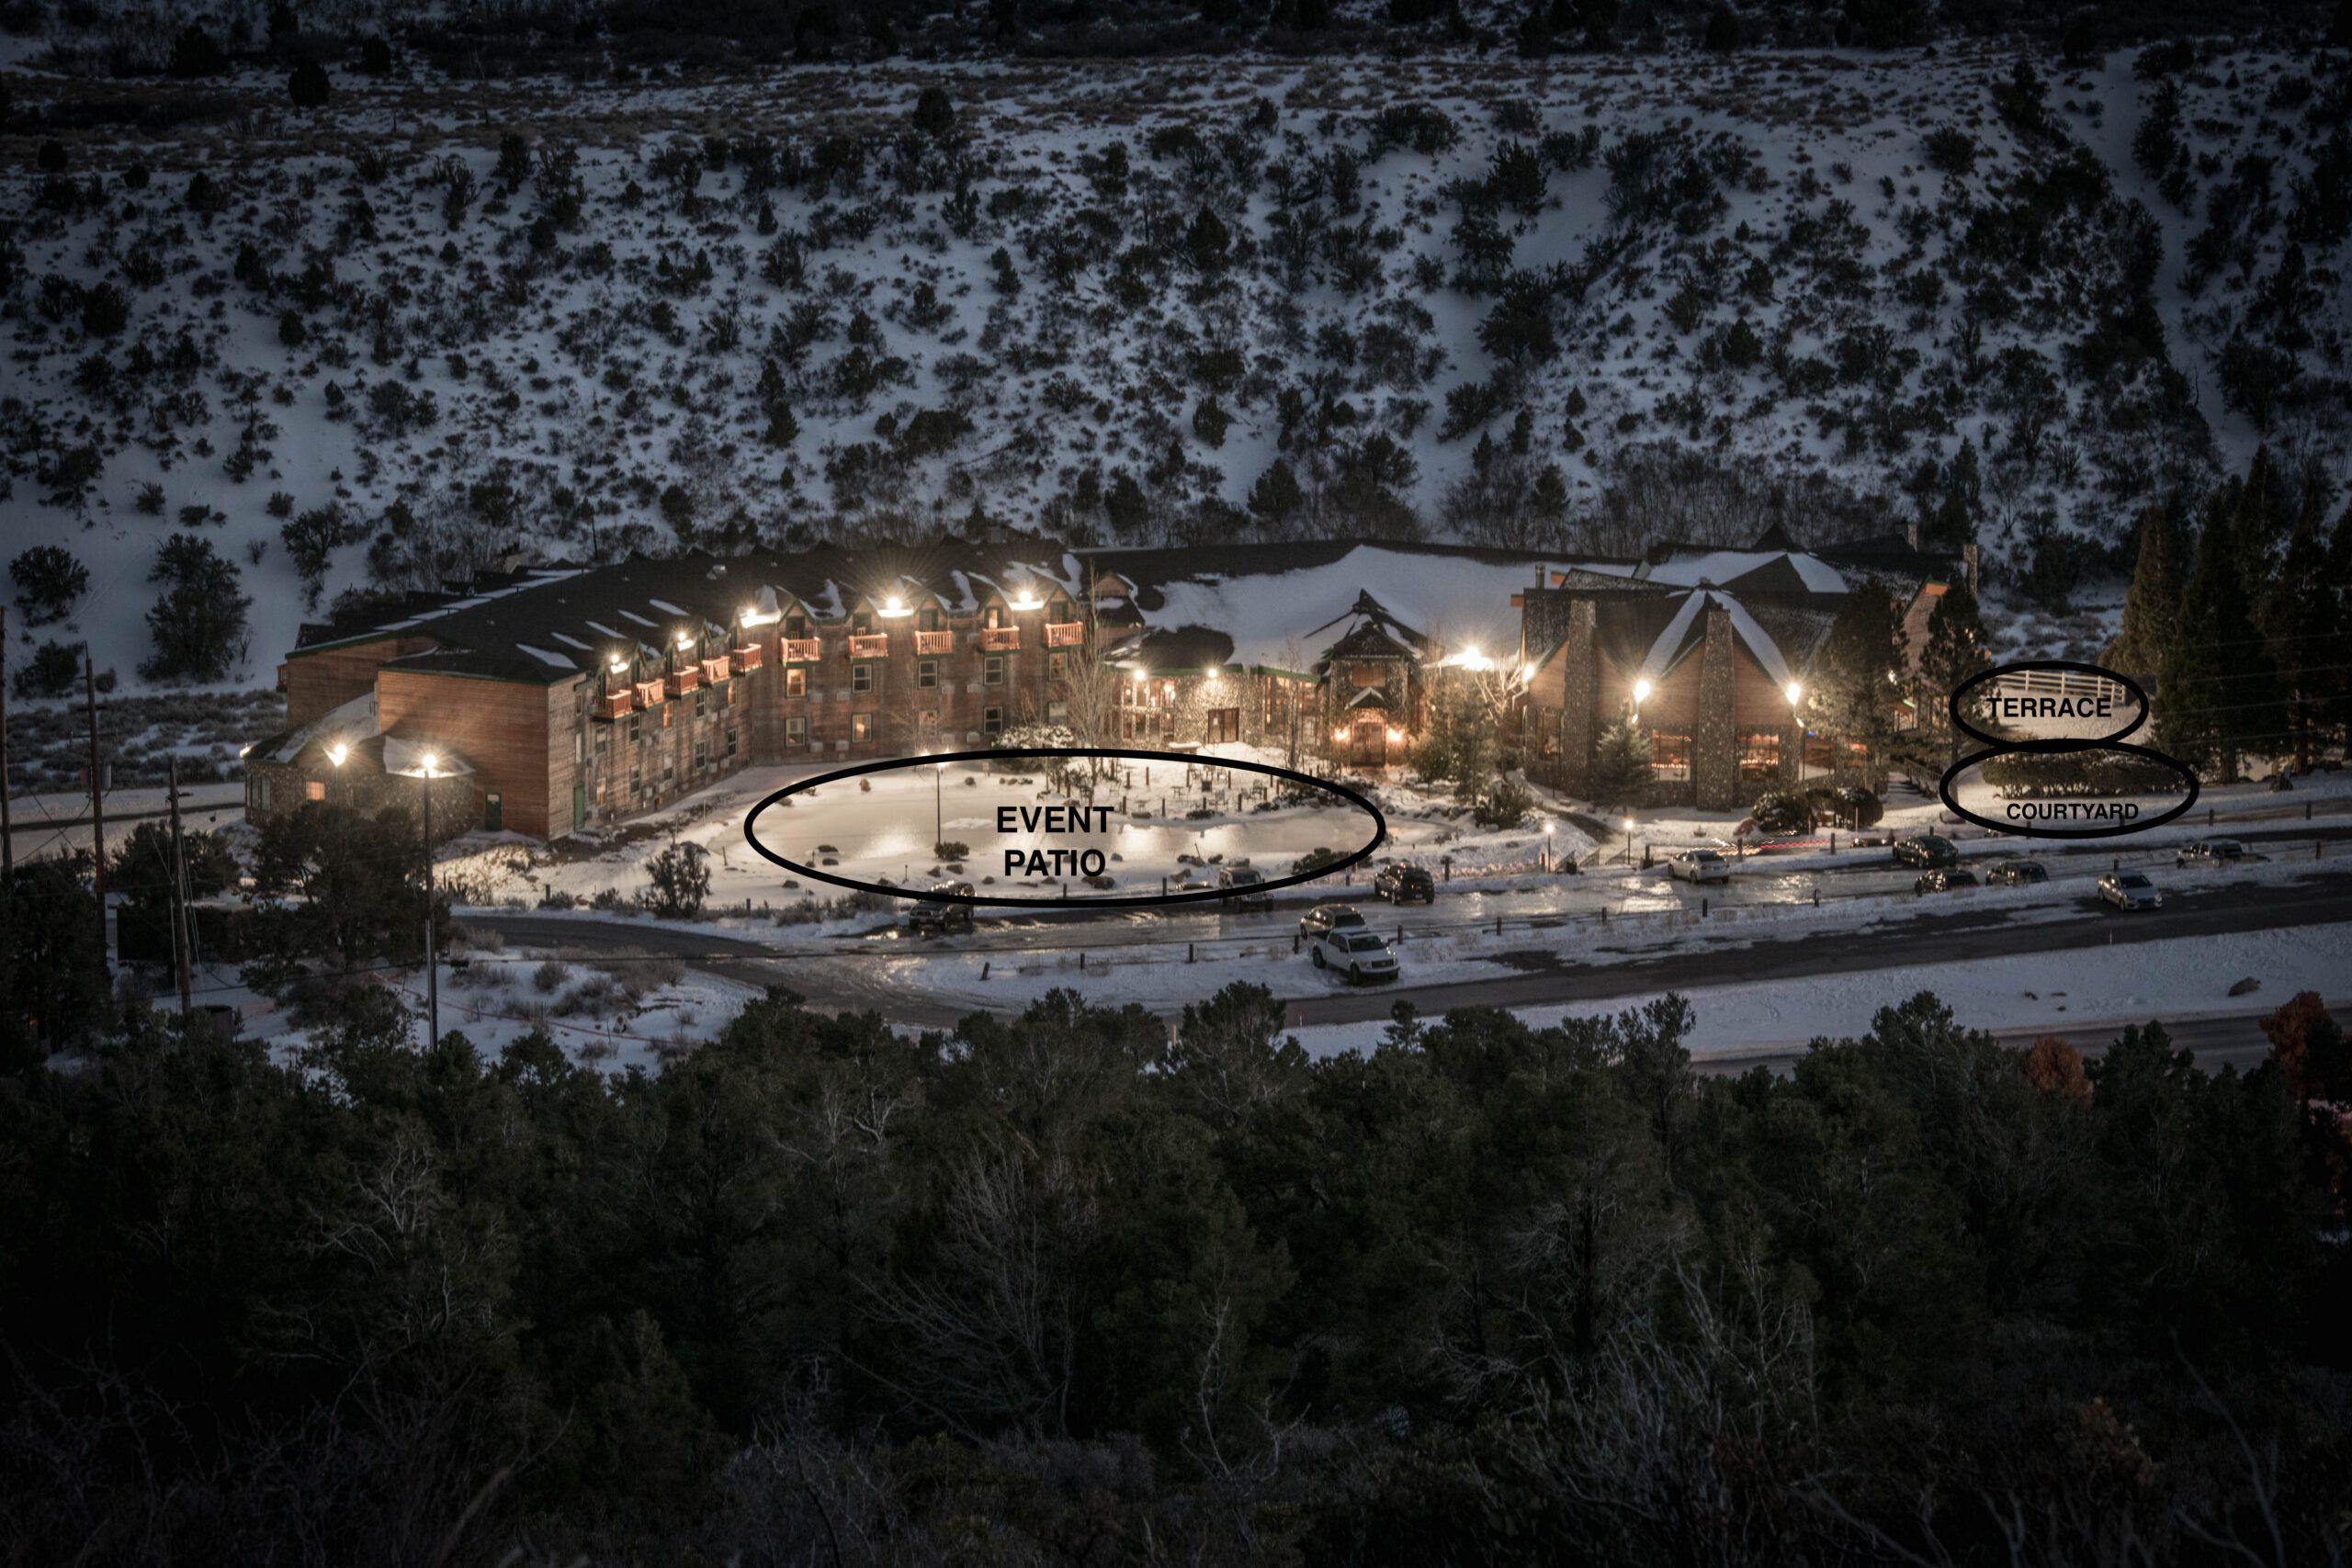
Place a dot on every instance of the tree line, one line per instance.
(1059, 1288)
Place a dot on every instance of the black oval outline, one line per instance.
(2048, 748)
(1122, 901)
(1943, 788)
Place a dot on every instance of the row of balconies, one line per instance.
(643, 696)
(928, 644)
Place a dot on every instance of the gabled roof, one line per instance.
(1686, 630)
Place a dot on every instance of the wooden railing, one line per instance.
(934, 642)
(613, 705)
(1065, 634)
(875, 645)
(802, 650)
(749, 656)
(715, 670)
(1000, 639)
(685, 680)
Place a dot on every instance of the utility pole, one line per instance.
(7, 836)
(432, 964)
(97, 810)
(183, 936)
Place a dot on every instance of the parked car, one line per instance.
(1358, 953)
(934, 914)
(1925, 850)
(1943, 881)
(2210, 852)
(1699, 865)
(1325, 918)
(2017, 873)
(1402, 882)
(1245, 887)
(2129, 890)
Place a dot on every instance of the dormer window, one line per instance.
(995, 616)
(930, 619)
(1061, 612)
(862, 624)
(796, 626)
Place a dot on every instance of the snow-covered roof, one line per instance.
(1725, 569)
(1285, 619)
(1682, 631)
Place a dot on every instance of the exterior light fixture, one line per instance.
(242, 750)
(429, 761)
(1141, 676)
(1641, 690)
(1526, 672)
(1794, 693)
(1338, 732)
(619, 665)
(1396, 735)
(337, 752)
(895, 608)
(685, 639)
(1027, 599)
(752, 616)
(1210, 673)
(1627, 825)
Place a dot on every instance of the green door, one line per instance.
(493, 812)
(579, 804)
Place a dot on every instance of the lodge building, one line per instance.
(553, 701)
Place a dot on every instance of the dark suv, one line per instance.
(1402, 882)
(935, 914)
(1926, 851)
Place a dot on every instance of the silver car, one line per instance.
(1699, 865)
(2129, 890)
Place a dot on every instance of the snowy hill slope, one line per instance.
(1586, 302)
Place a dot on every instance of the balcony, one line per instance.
(1065, 634)
(877, 645)
(934, 642)
(650, 694)
(683, 680)
(1000, 639)
(715, 670)
(614, 705)
(748, 658)
(802, 650)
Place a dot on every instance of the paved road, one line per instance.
(846, 983)
(2323, 897)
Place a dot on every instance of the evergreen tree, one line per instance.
(2257, 530)
(2298, 615)
(2152, 607)
(309, 86)
(198, 622)
(1621, 764)
(1276, 497)
(2336, 711)
(1851, 693)
(2218, 688)
(1956, 650)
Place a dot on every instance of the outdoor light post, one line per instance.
(1629, 840)
(1548, 846)
(938, 821)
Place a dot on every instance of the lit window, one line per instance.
(795, 683)
(861, 725)
(314, 789)
(927, 721)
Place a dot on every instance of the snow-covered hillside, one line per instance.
(1588, 301)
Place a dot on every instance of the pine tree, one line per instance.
(2298, 614)
(1276, 497)
(1956, 650)
(2218, 689)
(2256, 529)
(1621, 764)
(2152, 607)
(2337, 709)
(1851, 695)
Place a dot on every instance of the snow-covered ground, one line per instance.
(2173, 978)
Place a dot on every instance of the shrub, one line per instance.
(48, 580)
(949, 849)
(51, 672)
(198, 622)
(309, 86)
(1313, 861)
(681, 876)
(1780, 811)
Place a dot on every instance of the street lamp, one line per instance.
(1629, 840)
(336, 753)
(1548, 846)
(429, 762)
(938, 822)
(1641, 690)
(1794, 693)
